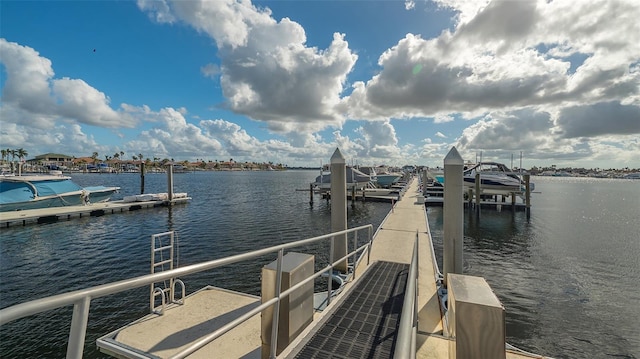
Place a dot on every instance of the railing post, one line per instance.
(276, 310)
(355, 259)
(78, 328)
(329, 279)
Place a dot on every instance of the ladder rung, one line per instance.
(162, 248)
(161, 263)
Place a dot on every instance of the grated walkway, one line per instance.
(365, 324)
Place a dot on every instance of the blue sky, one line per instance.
(389, 82)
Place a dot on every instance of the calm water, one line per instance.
(568, 276)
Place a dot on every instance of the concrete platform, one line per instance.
(54, 214)
(204, 311)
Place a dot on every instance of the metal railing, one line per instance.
(408, 327)
(81, 299)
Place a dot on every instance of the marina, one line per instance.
(179, 212)
(391, 253)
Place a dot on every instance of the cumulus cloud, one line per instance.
(173, 136)
(508, 131)
(501, 58)
(534, 75)
(267, 72)
(32, 97)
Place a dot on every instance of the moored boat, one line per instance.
(355, 178)
(19, 193)
(494, 177)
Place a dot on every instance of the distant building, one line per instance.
(52, 160)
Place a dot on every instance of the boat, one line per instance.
(355, 178)
(635, 175)
(387, 179)
(19, 193)
(494, 178)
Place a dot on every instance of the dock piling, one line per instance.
(527, 189)
(170, 183)
(142, 171)
(453, 213)
(339, 207)
(478, 197)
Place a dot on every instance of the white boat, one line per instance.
(635, 175)
(354, 178)
(19, 193)
(494, 178)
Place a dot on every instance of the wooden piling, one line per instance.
(311, 194)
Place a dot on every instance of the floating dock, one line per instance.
(54, 214)
(360, 322)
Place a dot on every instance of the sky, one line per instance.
(388, 82)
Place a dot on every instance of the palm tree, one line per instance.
(116, 156)
(4, 154)
(94, 157)
(21, 153)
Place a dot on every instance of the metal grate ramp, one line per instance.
(365, 324)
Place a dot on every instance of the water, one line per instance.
(568, 276)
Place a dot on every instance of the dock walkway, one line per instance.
(393, 243)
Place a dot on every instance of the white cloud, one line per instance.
(32, 97)
(173, 136)
(440, 134)
(210, 70)
(267, 71)
(409, 4)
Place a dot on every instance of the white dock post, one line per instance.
(453, 213)
(170, 182)
(339, 207)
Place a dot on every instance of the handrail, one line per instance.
(81, 298)
(227, 327)
(407, 329)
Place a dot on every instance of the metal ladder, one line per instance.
(162, 254)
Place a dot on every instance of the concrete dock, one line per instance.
(54, 214)
(206, 310)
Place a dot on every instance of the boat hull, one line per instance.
(387, 180)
